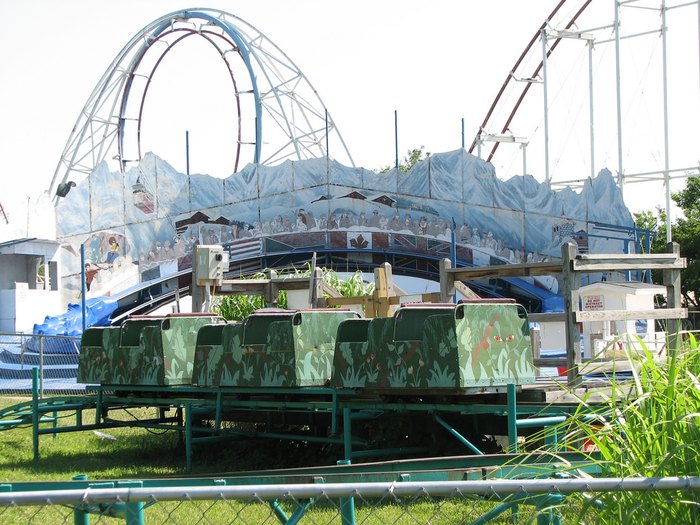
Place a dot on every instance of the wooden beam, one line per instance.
(549, 362)
(630, 263)
(541, 317)
(627, 315)
(467, 292)
(345, 301)
(504, 270)
(243, 286)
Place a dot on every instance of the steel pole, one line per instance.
(620, 177)
(667, 178)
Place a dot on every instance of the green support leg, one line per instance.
(188, 438)
(98, 407)
(35, 412)
(218, 411)
(492, 514)
(512, 434)
(278, 511)
(512, 419)
(347, 433)
(134, 510)
(457, 435)
(347, 505)
(180, 423)
(80, 517)
(334, 414)
(302, 506)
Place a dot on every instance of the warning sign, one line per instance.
(594, 302)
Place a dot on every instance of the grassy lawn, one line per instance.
(136, 453)
(133, 453)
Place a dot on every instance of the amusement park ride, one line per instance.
(437, 369)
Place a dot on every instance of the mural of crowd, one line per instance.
(303, 220)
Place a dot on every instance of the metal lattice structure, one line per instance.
(279, 114)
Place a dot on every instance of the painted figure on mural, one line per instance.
(159, 251)
(332, 222)
(395, 222)
(423, 225)
(90, 273)
(167, 250)
(476, 238)
(211, 237)
(180, 246)
(300, 224)
(113, 251)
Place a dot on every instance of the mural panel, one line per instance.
(156, 215)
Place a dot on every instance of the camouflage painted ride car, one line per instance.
(270, 348)
(144, 350)
(422, 346)
(472, 344)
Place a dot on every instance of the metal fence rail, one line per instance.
(55, 356)
(490, 501)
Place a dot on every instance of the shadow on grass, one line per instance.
(137, 453)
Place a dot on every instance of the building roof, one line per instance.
(27, 246)
(629, 287)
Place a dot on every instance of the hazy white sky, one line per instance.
(434, 62)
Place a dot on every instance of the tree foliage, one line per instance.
(413, 157)
(685, 231)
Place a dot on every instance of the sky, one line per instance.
(434, 63)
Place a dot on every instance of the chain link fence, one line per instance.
(55, 356)
(593, 500)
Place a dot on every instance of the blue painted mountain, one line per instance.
(153, 208)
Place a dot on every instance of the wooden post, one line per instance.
(272, 292)
(382, 284)
(572, 282)
(672, 281)
(447, 281)
(316, 287)
(198, 291)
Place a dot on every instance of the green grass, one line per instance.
(135, 453)
(138, 454)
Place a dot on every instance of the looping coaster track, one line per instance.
(279, 114)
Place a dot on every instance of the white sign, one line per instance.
(594, 302)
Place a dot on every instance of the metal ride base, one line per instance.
(345, 418)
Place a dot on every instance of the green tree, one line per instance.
(413, 157)
(685, 231)
(652, 227)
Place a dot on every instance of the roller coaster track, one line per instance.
(510, 77)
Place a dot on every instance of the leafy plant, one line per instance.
(238, 307)
(648, 426)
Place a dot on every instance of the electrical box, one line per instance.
(211, 261)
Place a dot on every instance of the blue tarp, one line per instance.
(551, 302)
(97, 311)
